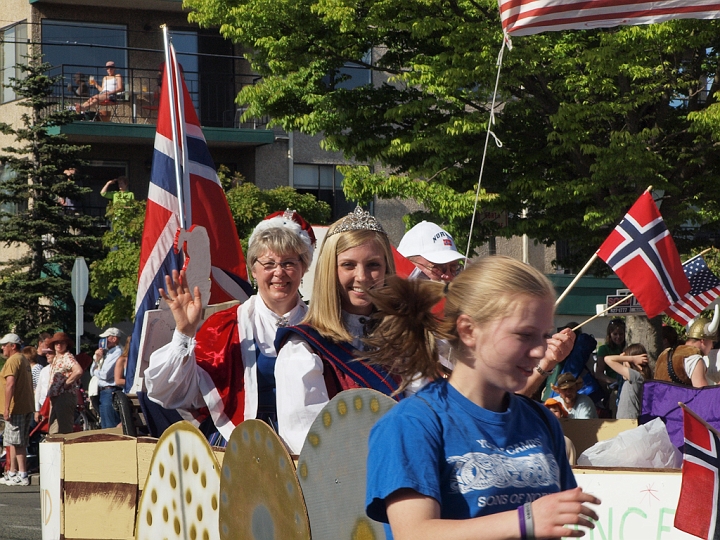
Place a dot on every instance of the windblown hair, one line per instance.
(487, 290)
(281, 241)
(325, 308)
(635, 349)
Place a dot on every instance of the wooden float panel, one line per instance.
(180, 496)
(100, 486)
(260, 496)
(333, 463)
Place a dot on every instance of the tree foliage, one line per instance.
(587, 119)
(113, 279)
(35, 290)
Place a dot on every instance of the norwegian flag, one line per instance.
(697, 508)
(704, 290)
(204, 204)
(526, 17)
(642, 253)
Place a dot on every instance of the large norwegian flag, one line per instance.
(697, 509)
(704, 290)
(525, 17)
(642, 253)
(204, 204)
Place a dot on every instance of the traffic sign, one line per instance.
(80, 281)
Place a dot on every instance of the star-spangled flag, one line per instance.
(526, 17)
(642, 253)
(704, 290)
(204, 204)
(697, 509)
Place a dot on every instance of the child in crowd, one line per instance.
(578, 406)
(440, 462)
(632, 365)
(559, 411)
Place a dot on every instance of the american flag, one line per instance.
(704, 289)
(642, 253)
(525, 17)
(697, 509)
(204, 204)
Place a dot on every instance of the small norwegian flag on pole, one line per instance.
(642, 253)
(697, 509)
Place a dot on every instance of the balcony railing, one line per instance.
(213, 95)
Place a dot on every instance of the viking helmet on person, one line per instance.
(704, 328)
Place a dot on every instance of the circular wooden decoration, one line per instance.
(181, 494)
(332, 466)
(260, 497)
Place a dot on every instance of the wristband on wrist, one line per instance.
(529, 525)
(543, 372)
(521, 518)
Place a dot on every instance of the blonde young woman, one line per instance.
(318, 358)
(466, 457)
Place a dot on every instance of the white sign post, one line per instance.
(79, 293)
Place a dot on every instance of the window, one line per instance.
(6, 173)
(72, 47)
(13, 51)
(357, 75)
(325, 182)
(94, 175)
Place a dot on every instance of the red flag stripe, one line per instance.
(521, 18)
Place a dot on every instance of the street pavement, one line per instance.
(20, 512)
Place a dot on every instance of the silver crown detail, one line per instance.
(358, 220)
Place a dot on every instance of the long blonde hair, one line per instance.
(324, 313)
(489, 289)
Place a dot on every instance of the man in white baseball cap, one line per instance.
(432, 250)
(103, 367)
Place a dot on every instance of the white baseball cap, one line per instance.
(10, 338)
(430, 241)
(112, 331)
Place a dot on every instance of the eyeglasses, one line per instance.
(448, 269)
(291, 265)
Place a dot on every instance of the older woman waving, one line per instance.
(228, 364)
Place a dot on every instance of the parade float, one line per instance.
(105, 485)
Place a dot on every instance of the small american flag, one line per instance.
(704, 289)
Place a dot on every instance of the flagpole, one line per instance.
(577, 278)
(603, 312)
(703, 252)
(169, 65)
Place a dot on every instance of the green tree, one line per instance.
(38, 212)
(113, 279)
(588, 119)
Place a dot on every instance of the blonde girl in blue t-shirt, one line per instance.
(466, 457)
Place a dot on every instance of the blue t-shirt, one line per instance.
(474, 462)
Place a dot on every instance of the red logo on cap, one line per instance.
(447, 242)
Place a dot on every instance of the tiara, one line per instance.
(357, 220)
